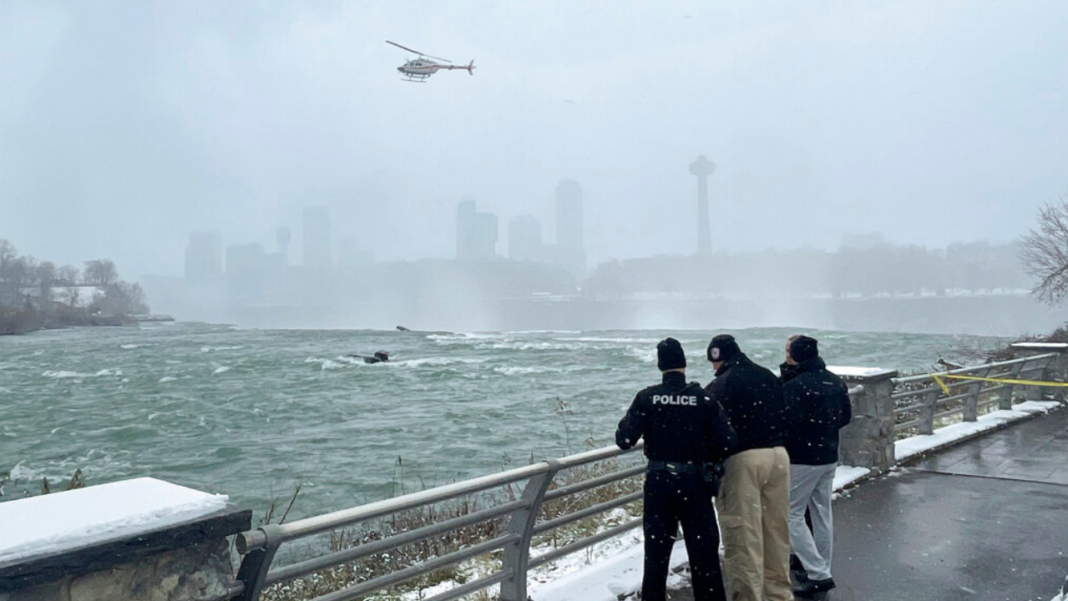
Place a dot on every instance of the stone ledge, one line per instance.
(33, 571)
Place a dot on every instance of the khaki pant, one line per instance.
(754, 508)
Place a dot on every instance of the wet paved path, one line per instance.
(986, 520)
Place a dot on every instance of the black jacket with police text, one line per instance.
(817, 406)
(752, 397)
(679, 421)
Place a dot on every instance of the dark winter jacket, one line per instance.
(679, 421)
(752, 398)
(817, 406)
(787, 372)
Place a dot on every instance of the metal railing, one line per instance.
(920, 404)
(523, 512)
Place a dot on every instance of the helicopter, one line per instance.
(419, 69)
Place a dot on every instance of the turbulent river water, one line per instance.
(252, 413)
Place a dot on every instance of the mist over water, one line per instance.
(250, 413)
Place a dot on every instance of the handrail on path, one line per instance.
(525, 523)
(917, 405)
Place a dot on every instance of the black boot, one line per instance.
(797, 570)
(810, 588)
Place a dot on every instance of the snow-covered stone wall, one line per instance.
(136, 540)
(201, 571)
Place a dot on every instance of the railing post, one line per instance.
(930, 407)
(517, 556)
(1005, 398)
(1057, 371)
(971, 402)
(256, 564)
(868, 441)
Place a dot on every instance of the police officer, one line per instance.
(684, 431)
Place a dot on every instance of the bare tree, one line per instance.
(68, 278)
(121, 298)
(46, 279)
(21, 271)
(101, 272)
(1044, 252)
(9, 292)
(8, 254)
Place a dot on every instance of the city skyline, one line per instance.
(124, 132)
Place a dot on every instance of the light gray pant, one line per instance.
(811, 486)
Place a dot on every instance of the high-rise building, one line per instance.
(247, 272)
(524, 239)
(203, 257)
(318, 253)
(569, 224)
(283, 235)
(476, 233)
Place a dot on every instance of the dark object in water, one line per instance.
(378, 357)
(402, 329)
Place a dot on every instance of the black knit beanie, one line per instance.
(722, 348)
(669, 355)
(804, 348)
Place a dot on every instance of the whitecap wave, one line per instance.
(21, 472)
(519, 345)
(128, 347)
(211, 349)
(447, 338)
(61, 374)
(64, 374)
(220, 370)
(517, 370)
(610, 340)
(325, 364)
(543, 332)
(435, 362)
(645, 355)
(166, 379)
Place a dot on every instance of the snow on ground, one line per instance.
(847, 474)
(75, 518)
(621, 574)
(909, 447)
(606, 580)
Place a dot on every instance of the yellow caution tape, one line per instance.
(938, 380)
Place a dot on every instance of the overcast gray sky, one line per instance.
(124, 125)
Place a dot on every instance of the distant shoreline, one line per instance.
(20, 323)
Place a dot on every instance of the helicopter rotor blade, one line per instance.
(417, 52)
(404, 47)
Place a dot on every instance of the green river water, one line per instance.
(252, 413)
